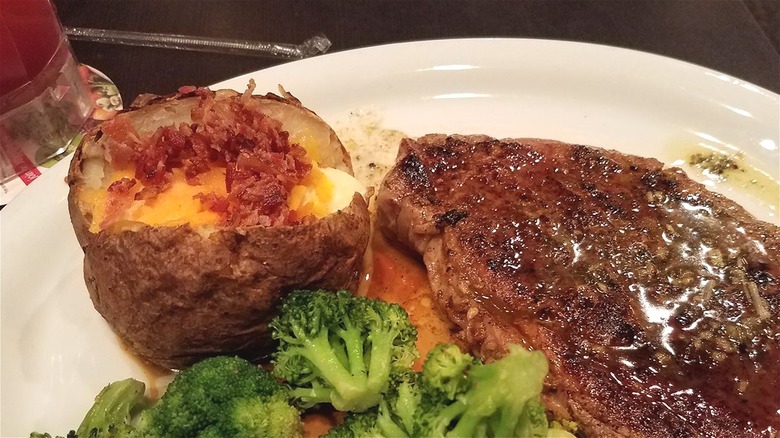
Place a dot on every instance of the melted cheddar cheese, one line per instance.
(177, 205)
(322, 192)
(313, 195)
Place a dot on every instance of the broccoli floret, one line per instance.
(254, 417)
(205, 393)
(340, 349)
(394, 417)
(563, 427)
(446, 368)
(357, 425)
(458, 396)
(399, 406)
(501, 399)
(217, 397)
(113, 410)
(111, 414)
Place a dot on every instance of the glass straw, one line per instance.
(315, 45)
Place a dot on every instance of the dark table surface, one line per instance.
(718, 34)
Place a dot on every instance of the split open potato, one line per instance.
(198, 212)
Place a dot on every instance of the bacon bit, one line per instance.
(121, 140)
(121, 155)
(261, 165)
(120, 130)
(295, 218)
(119, 198)
(121, 186)
(187, 89)
(213, 202)
(250, 88)
(151, 191)
(146, 193)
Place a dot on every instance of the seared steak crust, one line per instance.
(656, 301)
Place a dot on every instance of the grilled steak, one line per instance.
(656, 301)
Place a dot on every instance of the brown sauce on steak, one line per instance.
(656, 301)
(699, 332)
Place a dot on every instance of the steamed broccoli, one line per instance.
(498, 399)
(204, 394)
(456, 395)
(357, 425)
(255, 417)
(217, 397)
(446, 369)
(340, 349)
(113, 409)
(399, 407)
(112, 413)
(395, 415)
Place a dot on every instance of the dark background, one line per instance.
(737, 37)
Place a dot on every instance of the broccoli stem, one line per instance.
(406, 405)
(508, 419)
(353, 341)
(312, 396)
(387, 426)
(467, 425)
(381, 360)
(319, 352)
(445, 417)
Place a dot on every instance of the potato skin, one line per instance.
(176, 295)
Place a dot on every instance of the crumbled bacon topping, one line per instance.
(261, 165)
(121, 185)
(187, 89)
(118, 201)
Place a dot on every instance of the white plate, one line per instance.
(57, 352)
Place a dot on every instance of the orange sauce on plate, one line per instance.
(397, 277)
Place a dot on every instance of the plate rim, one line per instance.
(508, 40)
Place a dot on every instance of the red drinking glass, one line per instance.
(44, 102)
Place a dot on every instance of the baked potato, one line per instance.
(197, 212)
